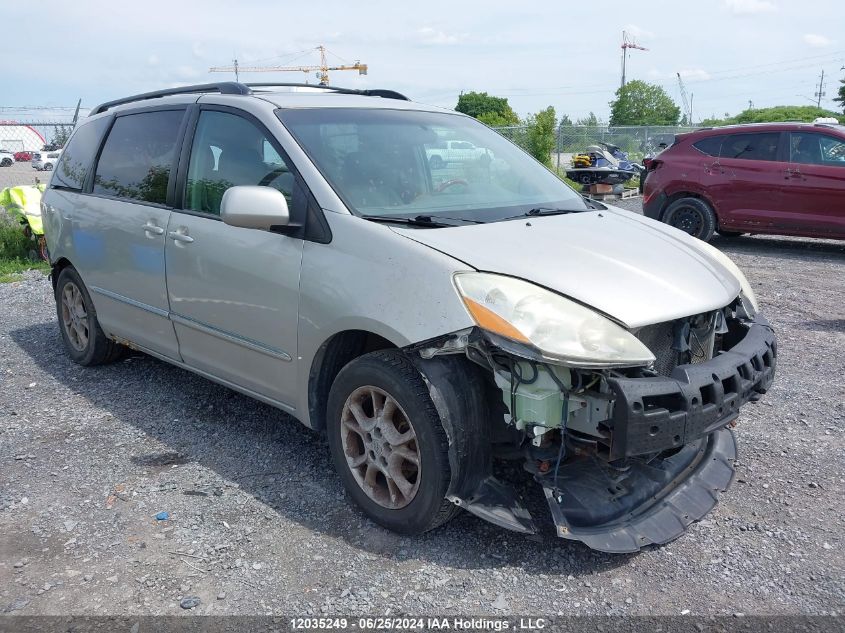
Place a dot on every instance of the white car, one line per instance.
(446, 152)
(7, 158)
(45, 161)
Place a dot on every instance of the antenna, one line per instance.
(626, 44)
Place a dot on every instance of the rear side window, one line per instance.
(710, 145)
(760, 146)
(809, 148)
(78, 156)
(138, 156)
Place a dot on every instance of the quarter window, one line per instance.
(227, 151)
(138, 156)
(710, 145)
(78, 156)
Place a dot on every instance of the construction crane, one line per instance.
(626, 44)
(323, 68)
(687, 102)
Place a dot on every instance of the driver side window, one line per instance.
(229, 150)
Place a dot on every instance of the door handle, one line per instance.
(793, 173)
(152, 228)
(176, 236)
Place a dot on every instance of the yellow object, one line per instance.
(24, 202)
(581, 160)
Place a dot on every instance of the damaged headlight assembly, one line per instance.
(562, 330)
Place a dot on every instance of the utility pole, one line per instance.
(820, 92)
(235, 68)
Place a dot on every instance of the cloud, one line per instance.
(816, 41)
(749, 7)
(637, 31)
(429, 35)
(695, 74)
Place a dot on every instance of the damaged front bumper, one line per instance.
(658, 461)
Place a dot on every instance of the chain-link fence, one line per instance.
(33, 135)
(636, 141)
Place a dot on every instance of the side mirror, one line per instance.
(254, 207)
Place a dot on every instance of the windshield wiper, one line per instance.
(542, 211)
(420, 220)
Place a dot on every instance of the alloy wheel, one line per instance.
(74, 317)
(381, 447)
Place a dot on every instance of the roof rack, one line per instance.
(372, 92)
(235, 88)
(224, 88)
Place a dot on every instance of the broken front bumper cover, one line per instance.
(665, 456)
(647, 502)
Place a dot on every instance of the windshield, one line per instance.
(407, 163)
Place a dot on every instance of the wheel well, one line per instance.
(335, 353)
(687, 194)
(56, 270)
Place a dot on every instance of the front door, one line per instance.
(234, 292)
(119, 229)
(815, 185)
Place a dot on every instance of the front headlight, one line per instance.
(561, 329)
(746, 293)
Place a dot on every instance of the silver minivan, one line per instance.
(299, 246)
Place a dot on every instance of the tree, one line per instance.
(641, 103)
(493, 111)
(775, 114)
(591, 120)
(541, 135)
(841, 97)
(564, 120)
(61, 134)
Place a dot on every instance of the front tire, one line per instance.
(84, 340)
(48, 167)
(388, 444)
(692, 216)
(6, 163)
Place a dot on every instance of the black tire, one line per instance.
(692, 216)
(730, 233)
(6, 163)
(97, 349)
(48, 167)
(435, 162)
(393, 373)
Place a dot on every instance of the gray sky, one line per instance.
(535, 53)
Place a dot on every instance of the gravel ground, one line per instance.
(21, 174)
(258, 522)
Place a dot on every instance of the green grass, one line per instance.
(15, 250)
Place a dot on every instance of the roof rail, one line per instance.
(372, 92)
(224, 88)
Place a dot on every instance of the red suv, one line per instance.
(782, 178)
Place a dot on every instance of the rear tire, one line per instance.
(48, 167)
(84, 340)
(692, 216)
(361, 391)
(6, 163)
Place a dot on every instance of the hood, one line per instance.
(633, 269)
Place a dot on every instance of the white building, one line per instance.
(18, 138)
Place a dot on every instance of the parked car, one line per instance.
(297, 248)
(447, 152)
(778, 178)
(7, 158)
(45, 161)
(23, 157)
